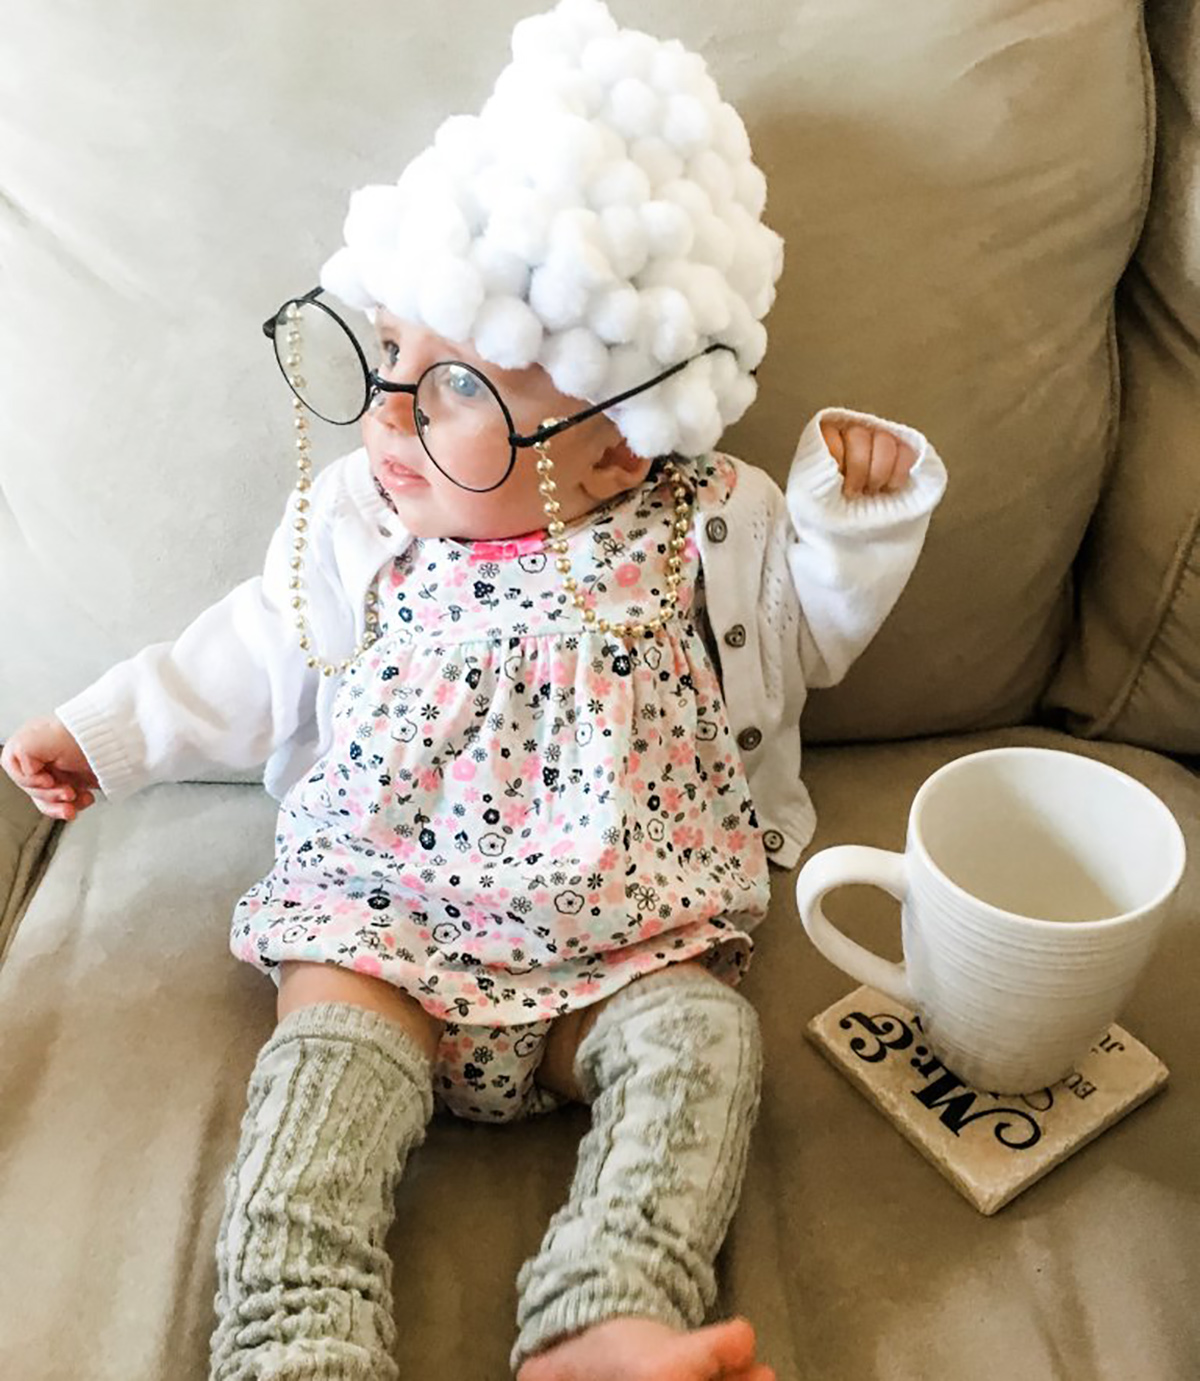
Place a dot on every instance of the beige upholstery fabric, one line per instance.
(959, 189)
(1132, 671)
(127, 1036)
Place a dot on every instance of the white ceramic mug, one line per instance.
(1034, 885)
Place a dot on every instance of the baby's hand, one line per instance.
(46, 762)
(872, 461)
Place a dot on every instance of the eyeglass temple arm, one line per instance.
(268, 326)
(545, 433)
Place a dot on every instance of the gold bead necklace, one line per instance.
(684, 498)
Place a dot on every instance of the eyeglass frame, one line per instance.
(374, 385)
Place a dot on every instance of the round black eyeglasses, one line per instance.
(453, 402)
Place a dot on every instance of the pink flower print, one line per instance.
(403, 847)
(600, 685)
(463, 769)
(607, 860)
(672, 798)
(563, 673)
(411, 881)
(635, 761)
(514, 815)
(444, 691)
(367, 963)
(735, 841)
(682, 752)
(628, 574)
(470, 795)
(427, 779)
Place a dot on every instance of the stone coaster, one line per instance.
(989, 1146)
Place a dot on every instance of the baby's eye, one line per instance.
(461, 381)
(391, 352)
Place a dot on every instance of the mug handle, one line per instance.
(837, 867)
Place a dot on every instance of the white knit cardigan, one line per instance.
(795, 585)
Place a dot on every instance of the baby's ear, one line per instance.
(618, 469)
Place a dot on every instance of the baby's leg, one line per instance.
(672, 1067)
(339, 1096)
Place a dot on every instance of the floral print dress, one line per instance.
(519, 815)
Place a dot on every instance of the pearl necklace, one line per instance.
(684, 498)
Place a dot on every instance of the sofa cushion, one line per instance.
(26, 837)
(959, 188)
(128, 1033)
(1132, 669)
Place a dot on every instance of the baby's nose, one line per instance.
(394, 410)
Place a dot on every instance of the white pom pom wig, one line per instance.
(600, 217)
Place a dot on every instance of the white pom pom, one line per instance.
(668, 228)
(627, 241)
(621, 183)
(688, 125)
(754, 347)
(665, 326)
(508, 333)
(579, 91)
(657, 159)
(449, 297)
(562, 153)
(732, 141)
(710, 171)
(577, 362)
(628, 366)
(750, 185)
(614, 314)
(694, 199)
(503, 272)
(633, 108)
(638, 51)
(520, 223)
(371, 218)
(575, 251)
(462, 143)
(393, 285)
(674, 69)
(603, 60)
(545, 38)
(648, 428)
(736, 398)
(557, 295)
(340, 276)
(707, 294)
(714, 243)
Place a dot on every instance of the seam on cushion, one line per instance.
(33, 859)
(1170, 590)
(1124, 692)
(1103, 719)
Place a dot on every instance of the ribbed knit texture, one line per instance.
(338, 1098)
(673, 1070)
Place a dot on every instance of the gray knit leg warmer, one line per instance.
(673, 1069)
(338, 1098)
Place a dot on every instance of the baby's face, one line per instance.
(592, 463)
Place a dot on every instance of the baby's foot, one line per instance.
(632, 1349)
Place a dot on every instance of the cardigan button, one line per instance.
(716, 529)
(749, 738)
(773, 841)
(736, 636)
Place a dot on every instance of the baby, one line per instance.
(524, 836)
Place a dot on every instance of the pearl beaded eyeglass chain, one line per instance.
(684, 499)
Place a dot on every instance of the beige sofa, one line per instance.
(992, 217)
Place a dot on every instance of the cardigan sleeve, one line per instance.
(225, 693)
(850, 558)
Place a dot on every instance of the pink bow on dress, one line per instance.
(500, 551)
